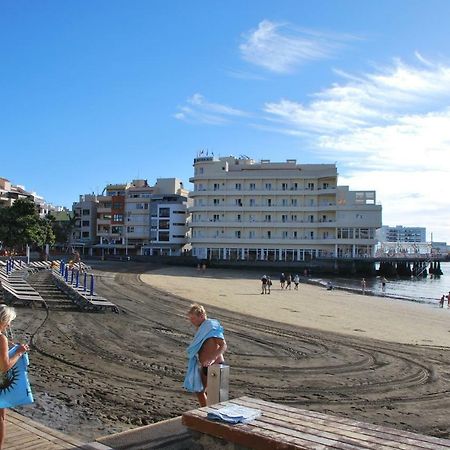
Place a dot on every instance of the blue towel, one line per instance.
(210, 328)
(14, 385)
(234, 414)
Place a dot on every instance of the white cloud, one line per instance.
(389, 131)
(279, 47)
(199, 110)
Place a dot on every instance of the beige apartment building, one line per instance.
(278, 211)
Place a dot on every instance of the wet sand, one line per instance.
(373, 359)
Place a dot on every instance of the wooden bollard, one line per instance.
(218, 383)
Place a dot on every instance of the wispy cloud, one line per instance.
(199, 110)
(280, 47)
(389, 130)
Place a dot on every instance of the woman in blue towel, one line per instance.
(7, 315)
(206, 349)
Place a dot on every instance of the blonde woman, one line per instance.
(7, 315)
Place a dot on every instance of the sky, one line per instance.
(107, 91)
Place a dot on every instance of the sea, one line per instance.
(427, 289)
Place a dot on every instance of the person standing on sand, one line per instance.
(264, 284)
(296, 282)
(7, 315)
(363, 286)
(383, 285)
(207, 348)
(282, 280)
(269, 283)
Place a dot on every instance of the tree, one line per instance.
(20, 225)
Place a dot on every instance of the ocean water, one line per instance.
(424, 290)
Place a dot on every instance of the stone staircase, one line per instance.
(43, 283)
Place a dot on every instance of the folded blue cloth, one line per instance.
(234, 414)
(208, 329)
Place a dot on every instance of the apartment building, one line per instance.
(400, 233)
(9, 193)
(136, 218)
(278, 211)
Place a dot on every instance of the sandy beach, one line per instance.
(374, 359)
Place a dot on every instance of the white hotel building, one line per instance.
(278, 211)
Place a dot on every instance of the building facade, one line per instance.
(278, 211)
(400, 233)
(134, 218)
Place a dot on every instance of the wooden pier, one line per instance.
(23, 433)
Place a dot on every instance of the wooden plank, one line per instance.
(370, 429)
(296, 428)
(370, 438)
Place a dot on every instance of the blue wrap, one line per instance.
(14, 385)
(210, 328)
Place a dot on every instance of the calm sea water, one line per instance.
(424, 290)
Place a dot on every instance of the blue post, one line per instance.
(85, 282)
(66, 273)
(92, 285)
(71, 276)
(77, 279)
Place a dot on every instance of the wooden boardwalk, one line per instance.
(23, 433)
(286, 428)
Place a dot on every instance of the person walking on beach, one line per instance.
(282, 280)
(383, 285)
(264, 284)
(441, 301)
(7, 315)
(269, 284)
(363, 286)
(207, 348)
(296, 282)
(289, 281)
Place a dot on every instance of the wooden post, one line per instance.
(218, 383)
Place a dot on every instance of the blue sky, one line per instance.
(97, 92)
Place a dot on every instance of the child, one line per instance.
(7, 315)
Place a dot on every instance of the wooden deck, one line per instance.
(23, 433)
(287, 428)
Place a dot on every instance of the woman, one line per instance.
(7, 315)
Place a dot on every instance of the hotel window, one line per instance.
(238, 186)
(252, 202)
(269, 234)
(268, 186)
(238, 217)
(251, 234)
(267, 218)
(237, 234)
(164, 212)
(163, 236)
(216, 186)
(130, 229)
(85, 223)
(117, 218)
(284, 218)
(295, 186)
(216, 201)
(238, 202)
(311, 186)
(311, 234)
(294, 218)
(284, 186)
(294, 234)
(269, 202)
(86, 212)
(252, 186)
(216, 217)
(200, 170)
(293, 202)
(311, 219)
(284, 235)
(325, 185)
